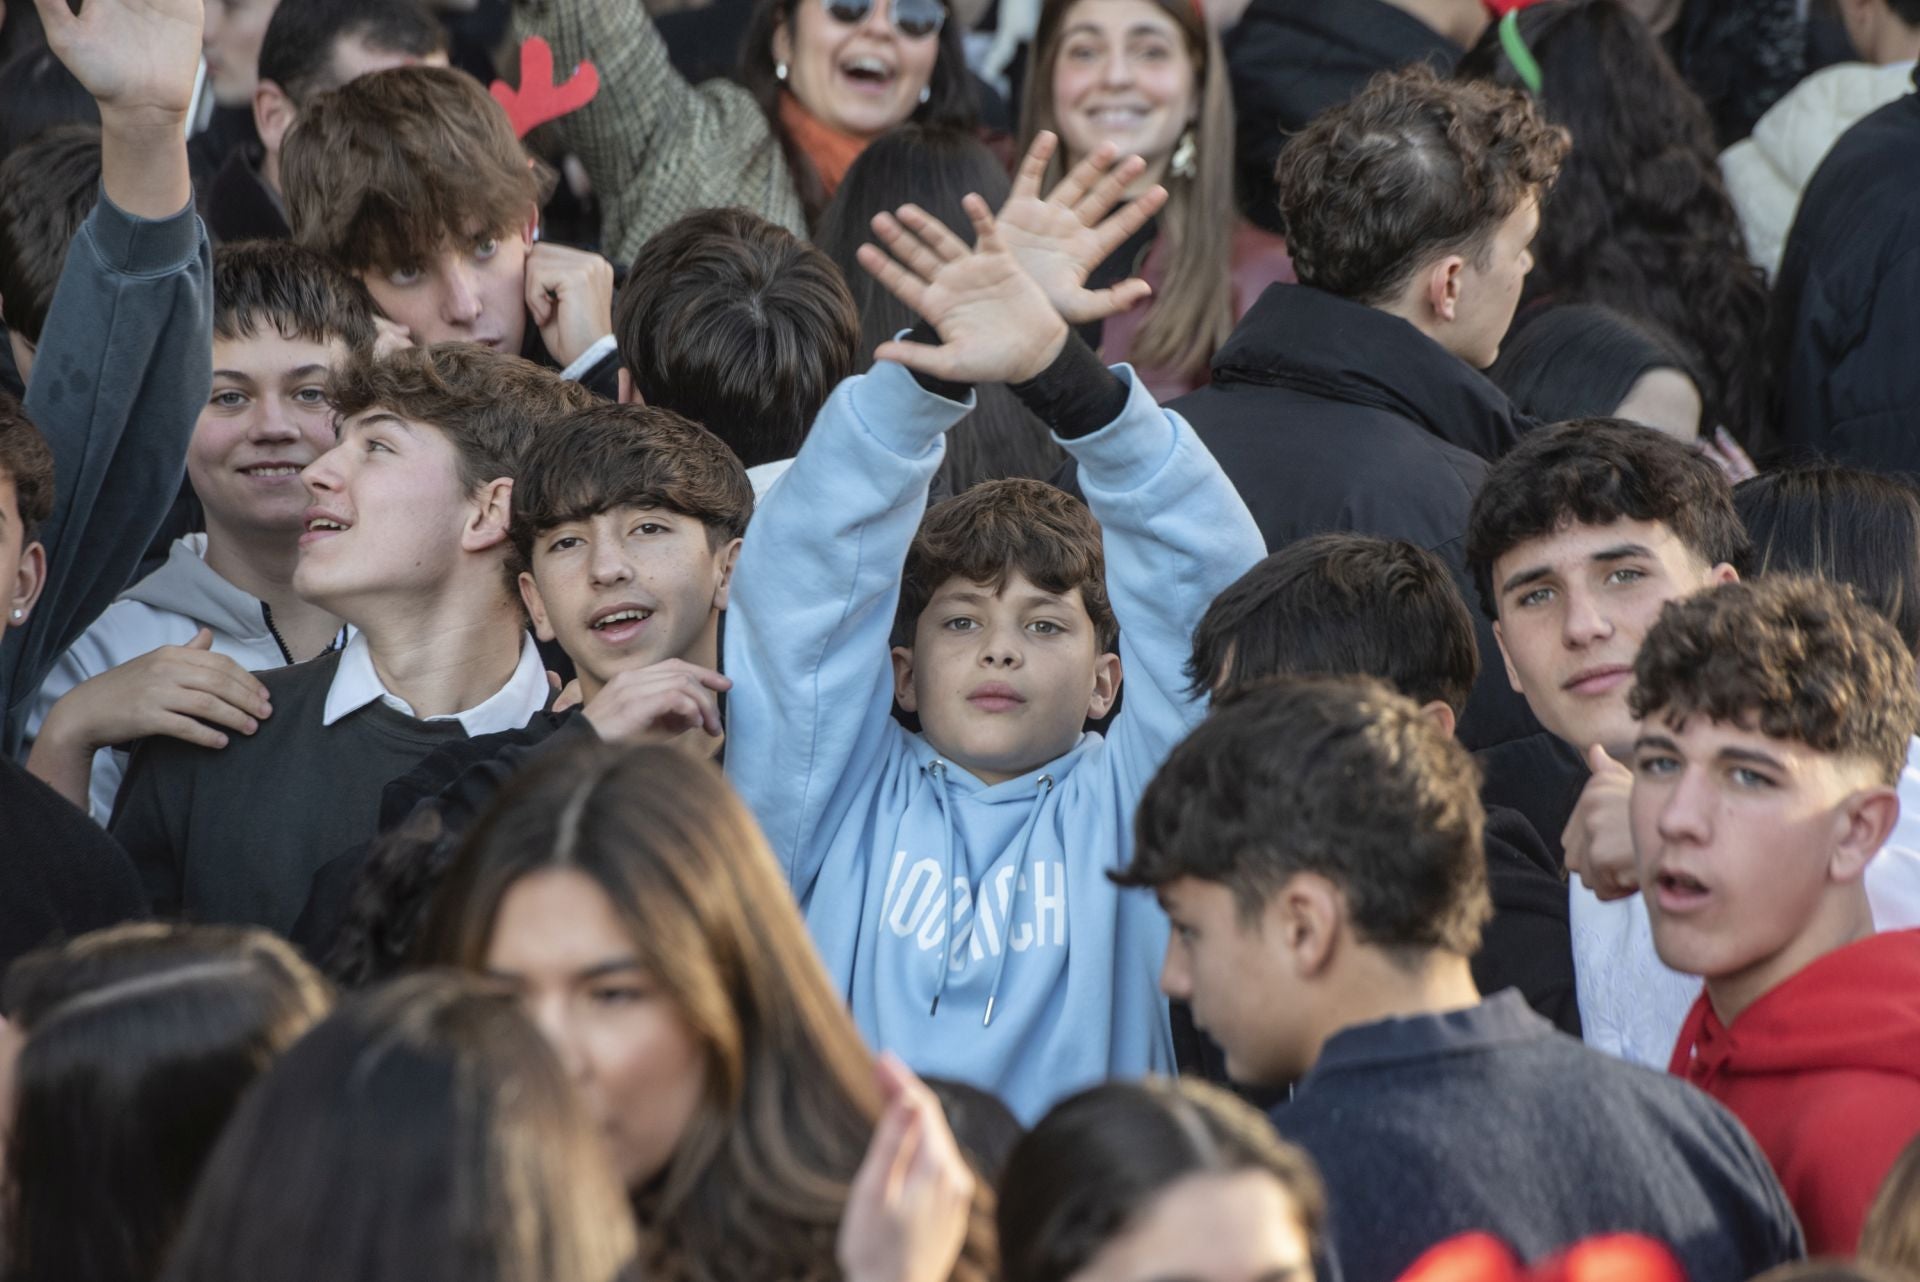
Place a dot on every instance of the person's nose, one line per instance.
(1003, 647)
(271, 422)
(1585, 622)
(324, 474)
(1686, 813)
(1175, 981)
(460, 301)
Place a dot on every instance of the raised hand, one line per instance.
(907, 1212)
(131, 55)
(1061, 237)
(995, 324)
(1598, 839)
(570, 297)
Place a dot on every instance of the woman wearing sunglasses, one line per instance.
(819, 79)
(1149, 77)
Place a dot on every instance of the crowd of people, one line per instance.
(1062, 641)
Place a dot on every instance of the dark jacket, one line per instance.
(239, 205)
(1846, 326)
(1290, 60)
(1488, 1119)
(1528, 943)
(60, 874)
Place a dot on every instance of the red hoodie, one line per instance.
(1824, 1069)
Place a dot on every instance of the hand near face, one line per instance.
(1060, 238)
(995, 324)
(907, 1212)
(570, 297)
(1599, 836)
(657, 703)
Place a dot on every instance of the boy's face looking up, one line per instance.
(266, 420)
(389, 516)
(1574, 606)
(1739, 836)
(626, 588)
(1004, 680)
(471, 292)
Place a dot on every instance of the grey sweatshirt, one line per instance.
(125, 365)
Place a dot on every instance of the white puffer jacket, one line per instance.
(1766, 173)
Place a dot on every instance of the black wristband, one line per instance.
(1076, 395)
(925, 333)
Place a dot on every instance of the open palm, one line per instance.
(1061, 237)
(136, 56)
(995, 324)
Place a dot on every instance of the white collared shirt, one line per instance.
(356, 684)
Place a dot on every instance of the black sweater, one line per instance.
(60, 875)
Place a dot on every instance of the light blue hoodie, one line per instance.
(971, 927)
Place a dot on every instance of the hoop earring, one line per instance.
(780, 72)
(1185, 157)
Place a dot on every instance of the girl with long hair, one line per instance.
(630, 900)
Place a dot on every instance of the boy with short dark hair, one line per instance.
(406, 539)
(741, 326)
(47, 188)
(412, 179)
(1316, 844)
(1346, 604)
(172, 655)
(1775, 719)
(954, 879)
(1578, 538)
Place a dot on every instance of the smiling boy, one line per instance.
(1775, 722)
(406, 539)
(955, 879)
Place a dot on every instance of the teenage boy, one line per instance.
(172, 655)
(1346, 604)
(1579, 537)
(954, 878)
(413, 180)
(61, 875)
(309, 48)
(1775, 718)
(741, 326)
(48, 186)
(1316, 844)
(126, 340)
(406, 540)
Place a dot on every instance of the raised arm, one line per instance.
(126, 356)
(656, 147)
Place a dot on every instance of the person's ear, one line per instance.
(903, 679)
(782, 43)
(1513, 673)
(487, 520)
(1305, 919)
(1865, 820)
(1443, 284)
(724, 589)
(628, 394)
(536, 606)
(530, 229)
(28, 580)
(1440, 713)
(1722, 573)
(1106, 685)
(273, 114)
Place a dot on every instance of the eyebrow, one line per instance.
(599, 970)
(382, 418)
(1606, 556)
(984, 598)
(306, 370)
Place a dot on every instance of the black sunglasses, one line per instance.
(914, 19)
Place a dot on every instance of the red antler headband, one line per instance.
(540, 98)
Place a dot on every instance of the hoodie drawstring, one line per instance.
(939, 771)
(1019, 870)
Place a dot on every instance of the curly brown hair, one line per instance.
(1797, 658)
(1413, 168)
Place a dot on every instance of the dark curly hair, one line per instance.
(1640, 219)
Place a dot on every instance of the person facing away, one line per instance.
(953, 877)
(1316, 844)
(171, 656)
(1775, 718)
(406, 540)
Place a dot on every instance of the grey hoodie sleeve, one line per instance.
(125, 364)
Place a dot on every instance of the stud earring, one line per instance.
(926, 94)
(780, 72)
(19, 615)
(1184, 156)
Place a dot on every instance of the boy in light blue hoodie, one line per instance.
(956, 879)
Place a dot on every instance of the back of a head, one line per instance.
(27, 462)
(47, 189)
(1840, 523)
(1411, 169)
(1341, 604)
(276, 286)
(1335, 776)
(38, 93)
(1093, 1165)
(1796, 658)
(1580, 360)
(298, 50)
(1891, 1235)
(140, 1042)
(1598, 471)
(740, 326)
(423, 1132)
(388, 169)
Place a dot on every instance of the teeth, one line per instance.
(622, 617)
(322, 523)
(868, 66)
(279, 469)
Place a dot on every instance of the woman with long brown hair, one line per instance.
(1148, 76)
(629, 898)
